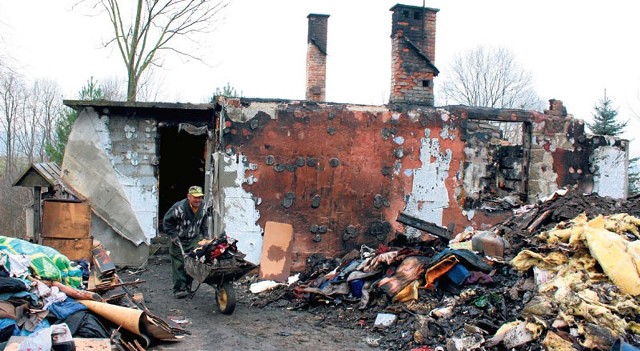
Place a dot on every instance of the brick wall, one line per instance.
(413, 35)
(340, 174)
(316, 57)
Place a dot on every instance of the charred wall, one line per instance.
(341, 174)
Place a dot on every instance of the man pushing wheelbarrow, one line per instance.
(186, 224)
(216, 262)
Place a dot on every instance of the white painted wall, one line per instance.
(429, 196)
(610, 167)
(141, 193)
(240, 215)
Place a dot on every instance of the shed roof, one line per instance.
(42, 174)
(144, 109)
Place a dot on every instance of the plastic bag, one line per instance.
(38, 341)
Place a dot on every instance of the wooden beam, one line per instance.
(428, 227)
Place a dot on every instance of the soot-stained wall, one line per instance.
(341, 174)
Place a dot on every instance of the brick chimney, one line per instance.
(556, 108)
(413, 53)
(317, 57)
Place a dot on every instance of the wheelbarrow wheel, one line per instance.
(226, 298)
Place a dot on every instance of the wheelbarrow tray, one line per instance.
(223, 270)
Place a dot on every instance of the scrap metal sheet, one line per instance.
(86, 168)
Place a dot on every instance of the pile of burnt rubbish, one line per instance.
(212, 251)
(563, 274)
(49, 301)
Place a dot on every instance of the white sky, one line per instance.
(575, 50)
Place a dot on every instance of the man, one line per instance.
(185, 222)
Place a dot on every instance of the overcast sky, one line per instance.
(575, 50)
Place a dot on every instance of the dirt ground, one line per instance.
(248, 328)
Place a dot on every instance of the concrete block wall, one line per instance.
(133, 155)
(133, 143)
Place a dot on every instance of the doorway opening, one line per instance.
(182, 164)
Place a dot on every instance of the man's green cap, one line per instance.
(196, 191)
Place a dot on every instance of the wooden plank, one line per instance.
(428, 227)
(275, 261)
(74, 249)
(66, 219)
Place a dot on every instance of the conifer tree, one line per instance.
(55, 149)
(605, 123)
(604, 119)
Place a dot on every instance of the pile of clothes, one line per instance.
(212, 250)
(398, 273)
(43, 293)
(20, 258)
(38, 290)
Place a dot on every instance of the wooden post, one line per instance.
(37, 193)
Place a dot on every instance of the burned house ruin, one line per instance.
(340, 174)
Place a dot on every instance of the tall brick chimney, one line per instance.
(317, 57)
(413, 53)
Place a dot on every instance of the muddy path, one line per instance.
(248, 328)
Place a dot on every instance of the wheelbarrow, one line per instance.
(219, 275)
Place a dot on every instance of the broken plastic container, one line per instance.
(488, 243)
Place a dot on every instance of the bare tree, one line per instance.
(39, 110)
(51, 101)
(113, 89)
(13, 201)
(155, 26)
(11, 100)
(490, 77)
(150, 87)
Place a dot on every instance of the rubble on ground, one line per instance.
(563, 274)
(44, 296)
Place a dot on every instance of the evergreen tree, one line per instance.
(605, 123)
(226, 91)
(634, 176)
(55, 149)
(604, 119)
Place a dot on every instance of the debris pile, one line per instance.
(44, 296)
(212, 250)
(563, 274)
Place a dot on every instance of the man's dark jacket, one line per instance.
(181, 222)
